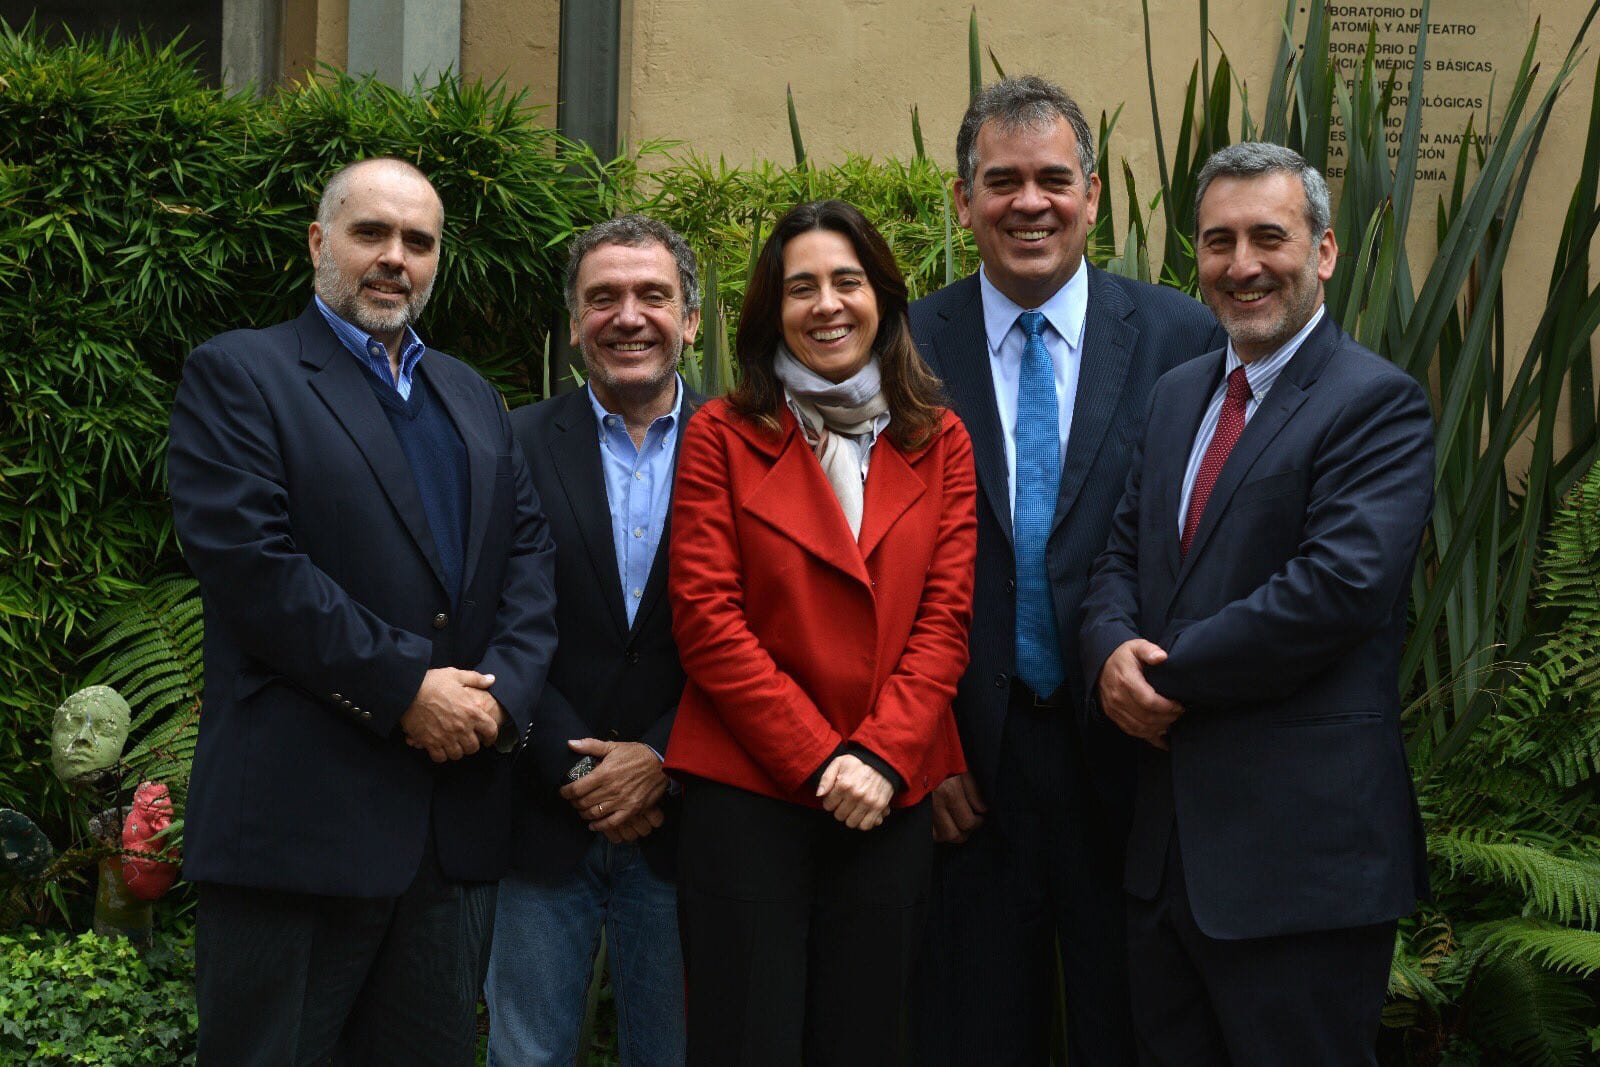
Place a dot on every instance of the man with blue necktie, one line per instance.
(1050, 363)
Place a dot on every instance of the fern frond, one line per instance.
(1562, 888)
(1548, 944)
(1567, 663)
(150, 649)
(1534, 1017)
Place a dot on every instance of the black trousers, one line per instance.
(1041, 880)
(798, 932)
(295, 978)
(1311, 999)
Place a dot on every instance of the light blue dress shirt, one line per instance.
(638, 491)
(1260, 374)
(1065, 312)
(371, 352)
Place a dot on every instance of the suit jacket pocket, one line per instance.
(1270, 487)
(1335, 718)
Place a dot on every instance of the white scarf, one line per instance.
(841, 422)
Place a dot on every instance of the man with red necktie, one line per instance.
(1246, 621)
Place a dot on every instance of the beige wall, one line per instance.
(712, 73)
(515, 40)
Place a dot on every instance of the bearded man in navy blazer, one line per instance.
(1245, 625)
(1049, 362)
(378, 597)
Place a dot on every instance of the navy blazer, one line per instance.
(609, 680)
(1133, 334)
(1287, 780)
(325, 604)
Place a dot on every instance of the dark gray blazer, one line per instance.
(325, 604)
(1287, 780)
(1133, 334)
(608, 680)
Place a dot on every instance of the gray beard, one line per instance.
(343, 295)
(643, 390)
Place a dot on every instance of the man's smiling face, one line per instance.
(378, 253)
(1029, 208)
(631, 323)
(1261, 268)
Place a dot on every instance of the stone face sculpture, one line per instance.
(25, 851)
(88, 733)
(148, 878)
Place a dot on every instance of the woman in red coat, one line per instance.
(823, 535)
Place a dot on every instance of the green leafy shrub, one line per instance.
(80, 998)
(140, 213)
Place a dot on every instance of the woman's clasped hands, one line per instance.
(855, 793)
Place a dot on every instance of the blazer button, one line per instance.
(612, 734)
(440, 621)
(1001, 681)
(346, 705)
(632, 656)
(1011, 585)
(366, 716)
(337, 697)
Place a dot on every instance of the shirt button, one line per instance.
(638, 475)
(638, 531)
(440, 621)
(637, 593)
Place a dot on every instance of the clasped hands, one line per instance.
(1128, 699)
(453, 714)
(621, 797)
(856, 793)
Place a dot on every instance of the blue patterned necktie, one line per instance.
(1038, 444)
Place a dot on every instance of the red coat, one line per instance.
(794, 638)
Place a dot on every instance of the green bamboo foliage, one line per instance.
(141, 212)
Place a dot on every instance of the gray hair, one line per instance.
(634, 231)
(1021, 103)
(1253, 159)
(337, 187)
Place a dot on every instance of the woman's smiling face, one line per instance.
(830, 312)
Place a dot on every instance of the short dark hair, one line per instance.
(1020, 103)
(634, 231)
(336, 188)
(913, 394)
(1252, 159)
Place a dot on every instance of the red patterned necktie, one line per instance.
(1230, 424)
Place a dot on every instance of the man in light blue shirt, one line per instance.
(1049, 362)
(594, 838)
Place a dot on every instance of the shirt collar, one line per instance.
(601, 414)
(361, 343)
(1263, 372)
(1065, 310)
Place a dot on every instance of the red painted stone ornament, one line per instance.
(148, 878)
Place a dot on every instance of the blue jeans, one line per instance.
(546, 935)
